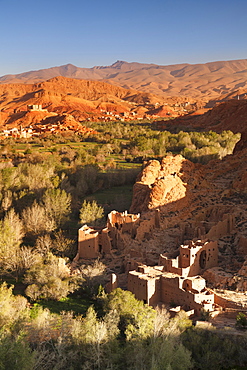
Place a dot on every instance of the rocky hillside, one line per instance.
(228, 115)
(81, 98)
(201, 81)
(192, 197)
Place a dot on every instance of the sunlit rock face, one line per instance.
(164, 183)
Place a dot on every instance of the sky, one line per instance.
(42, 34)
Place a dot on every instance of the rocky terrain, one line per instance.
(226, 115)
(201, 81)
(83, 99)
(187, 91)
(191, 195)
(191, 198)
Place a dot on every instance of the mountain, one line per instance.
(83, 99)
(202, 81)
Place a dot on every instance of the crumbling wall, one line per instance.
(193, 259)
(120, 226)
(88, 242)
(224, 227)
(153, 285)
(144, 228)
(216, 226)
(203, 255)
(104, 242)
(225, 303)
(131, 264)
(145, 287)
(122, 220)
(112, 284)
(170, 265)
(172, 292)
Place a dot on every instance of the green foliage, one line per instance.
(158, 354)
(36, 220)
(11, 307)
(57, 205)
(215, 350)
(11, 233)
(97, 338)
(34, 338)
(241, 321)
(49, 278)
(91, 213)
(205, 315)
(79, 304)
(196, 146)
(35, 176)
(136, 319)
(15, 354)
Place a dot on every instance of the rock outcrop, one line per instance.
(164, 184)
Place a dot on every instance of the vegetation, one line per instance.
(241, 321)
(91, 213)
(126, 335)
(48, 188)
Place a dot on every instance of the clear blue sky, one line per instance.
(42, 34)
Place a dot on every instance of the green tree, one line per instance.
(136, 318)
(97, 340)
(241, 320)
(35, 176)
(36, 220)
(11, 307)
(15, 354)
(57, 205)
(11, 233)
(49, 278)
(91, 213)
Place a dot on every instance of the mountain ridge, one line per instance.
(203, 81)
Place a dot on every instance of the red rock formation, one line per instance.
(229, 115)
(163, 183)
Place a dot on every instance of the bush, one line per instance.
(91, 213)
(49, 278)
(241, 321)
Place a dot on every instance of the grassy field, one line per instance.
(78, 305)
(49, 147)
(116, 198)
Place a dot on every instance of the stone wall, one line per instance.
(120, 227)
(153, 286)
(145, 287)
(193, 259)
(222, 228)
(88, 242)
(225, 303)
(213, 229)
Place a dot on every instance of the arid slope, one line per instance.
(228, 115)
(202, 81)
(81, 98)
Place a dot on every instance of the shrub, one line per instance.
(241, 321)
(49, 278)
(91, 213)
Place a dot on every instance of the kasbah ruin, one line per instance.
(182, 245)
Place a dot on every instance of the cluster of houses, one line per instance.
(69, 126)
(123, 116)
(174, 282)
(39, 130)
